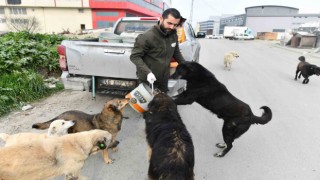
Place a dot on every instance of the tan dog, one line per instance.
(110, 119)
(228, 59)
(55, 156)
(58, 127)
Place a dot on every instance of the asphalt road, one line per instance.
(287, 148)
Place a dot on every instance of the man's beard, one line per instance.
(163, 29)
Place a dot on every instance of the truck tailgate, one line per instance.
(100, 59)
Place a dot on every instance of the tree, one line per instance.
(30, 24)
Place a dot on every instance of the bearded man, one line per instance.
(154, 49)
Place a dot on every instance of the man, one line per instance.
(154, 49)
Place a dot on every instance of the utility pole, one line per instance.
(191, 12)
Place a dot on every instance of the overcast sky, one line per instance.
(203, 9)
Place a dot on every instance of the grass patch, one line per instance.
(25, 59)
(19, 88)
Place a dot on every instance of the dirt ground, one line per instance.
(45, 109)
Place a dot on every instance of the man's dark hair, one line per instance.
(173, 12)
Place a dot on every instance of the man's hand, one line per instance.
(151, 78)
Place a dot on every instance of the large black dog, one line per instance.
(306, 69)
(205, 89)
(171, 151)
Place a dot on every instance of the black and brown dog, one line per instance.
(306, 69)
(205, 89)
(170, 147)
(110, 119)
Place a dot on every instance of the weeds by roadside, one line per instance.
(25, 60)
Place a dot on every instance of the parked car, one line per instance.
(215, 36)
(201, 35)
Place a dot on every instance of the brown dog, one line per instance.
(51, 157)
(110, 119)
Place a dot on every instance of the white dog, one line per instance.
(228, 58)
(51, 157)
(58, 127)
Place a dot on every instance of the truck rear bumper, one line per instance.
(85, 84)
(75, 83)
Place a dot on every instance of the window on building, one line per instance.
(156, 2)
(2, 20)
(82, 26)
(104, 24)
(81, 10)
(278, 30)
(130, 15)
(1, 10)
(19, 21)
(116, 14)
(14, 1)
(18, 11)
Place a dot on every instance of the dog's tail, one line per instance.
(4, 136)
(44, 125)
(265, 118)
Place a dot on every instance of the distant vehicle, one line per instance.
(215, 36)
(237, 32)
(201, 35)
(243, 37)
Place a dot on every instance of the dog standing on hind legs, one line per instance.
(205, 89)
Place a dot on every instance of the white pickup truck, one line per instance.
(103, 64)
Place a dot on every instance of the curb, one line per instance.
(300, 51)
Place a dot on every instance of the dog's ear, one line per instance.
(112, 107)
(189, 66)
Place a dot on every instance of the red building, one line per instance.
(106, 12)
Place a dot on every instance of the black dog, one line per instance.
(171, 151)
(306, 70)
(205, 89)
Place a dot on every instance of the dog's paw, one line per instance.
(108, 161)
(219, 154)
(221, 145)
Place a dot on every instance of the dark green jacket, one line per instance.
(152, 52)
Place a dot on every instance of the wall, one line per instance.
(49, 3)
(55, 20)
(267, 24)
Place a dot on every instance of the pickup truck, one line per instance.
(102, 65)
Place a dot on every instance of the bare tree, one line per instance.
(21, 23)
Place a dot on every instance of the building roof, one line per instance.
(271, 6)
